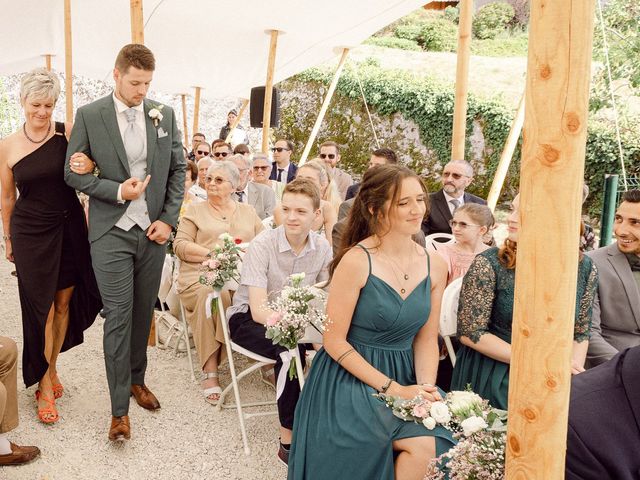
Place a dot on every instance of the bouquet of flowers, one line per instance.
(297, 307)
(223, 264)
(480, 429)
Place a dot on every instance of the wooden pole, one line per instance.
(47, 61)
(266, 114)
(462, 80)
(68, 61)
(137, 22)
(553, 152)
(243, 107)
(323, 109)
(196, 110)
(507, 154)
(185, 131)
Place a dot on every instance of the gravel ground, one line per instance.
(186, 439)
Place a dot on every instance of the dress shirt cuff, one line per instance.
(120, 199)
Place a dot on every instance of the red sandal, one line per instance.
(47, 415)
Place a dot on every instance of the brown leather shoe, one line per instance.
(144, 397)
(120, 428)
(19, 455)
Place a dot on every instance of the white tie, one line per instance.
(133, 142)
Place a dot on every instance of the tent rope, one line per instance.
(613, 97)
(364, 98)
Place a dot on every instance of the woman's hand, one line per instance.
(81, 164)
(576, 368)
(8, 250)
(409, 392)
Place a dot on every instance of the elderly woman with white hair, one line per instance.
(197, 234)
(45, 234)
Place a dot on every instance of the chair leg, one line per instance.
(185, 328)
(450, 350)
(299, 370)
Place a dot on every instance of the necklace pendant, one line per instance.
(402, 291)
(406, 277)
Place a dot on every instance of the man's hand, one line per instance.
(133, 188)
(81, 164)
(159, 232)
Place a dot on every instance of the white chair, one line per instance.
(449, 315)
(433, 242)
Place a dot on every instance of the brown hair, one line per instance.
(135, 55)
(223, 144)
(331, 143)
(481, 214)
(380, 184)
(305, 187)
(632, 196)
(192, 169)
(387, 154)
(241, 148)
(195, 147)
(289, 143)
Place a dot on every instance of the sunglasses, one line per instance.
(456, 176)
(462, 225)
(221, 154)
(331, 156)
(216, 180)
(202, 152)
(263, 168)
(280, 149)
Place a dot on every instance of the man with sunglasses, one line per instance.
(457, 175)
(201, 150)
(195, 140)
(221, 151)
(283, 170)
(330, 155)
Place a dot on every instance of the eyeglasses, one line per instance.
(331, 156)
(280, 149)
(462, 225)
(262, 167)
(202, 152)
(221, 154)
(216, 180)
(456, 176)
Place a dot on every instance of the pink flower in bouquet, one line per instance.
(213, 264)
(273, 319)
(419, 411)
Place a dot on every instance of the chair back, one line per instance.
(432, 241)
(449, 308)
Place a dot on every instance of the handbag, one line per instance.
(171, 332)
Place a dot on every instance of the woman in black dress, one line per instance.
(45, 234)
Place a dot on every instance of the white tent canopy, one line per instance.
(220, 46)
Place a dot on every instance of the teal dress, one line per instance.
(340, 429)
(486, 306)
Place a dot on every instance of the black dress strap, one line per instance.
(368, 255)
(60, 128)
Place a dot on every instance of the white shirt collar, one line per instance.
(449, 198)
(121, 107)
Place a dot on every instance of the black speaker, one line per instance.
(256, 107)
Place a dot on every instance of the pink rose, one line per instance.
(237, 241)
(274, 319)
(419, 411)
(213, 264)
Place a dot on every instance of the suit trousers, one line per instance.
(8, 385)
(128, 267)
(251, 335)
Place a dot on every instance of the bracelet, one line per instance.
(6, 237)
(386, 386)
(341, 357)
(427, 385)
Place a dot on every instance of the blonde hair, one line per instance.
(40, 83)
(318, 166)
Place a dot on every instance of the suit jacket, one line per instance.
(343, 181)
(96, 133)
(345, 208)
(293, 169)
(603, 438)
(439, 215)
(615, 324)
(352, 191)
(262, 198)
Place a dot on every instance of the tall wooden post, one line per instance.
(47, 61)
(196, 110)
(137, 22)
(266, 114)
(243, 107)
(68, 62)
(323, 109)
(183, 97)
(462, 80)
(507, 155)
(555, 130)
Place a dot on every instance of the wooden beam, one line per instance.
(137, 22)
(47, 61)
(196, 110)
(507, 154)
(462, 80)
(266, 114)
(243, 107)
(553, 152)
(68, 61)
(323, 109)
(185, 129)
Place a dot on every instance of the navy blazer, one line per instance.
(293, 169)
(603, 439)
(439, 214)
(352, 191)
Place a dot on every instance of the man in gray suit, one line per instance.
(133, 204)
(616, 310)
(260, 197)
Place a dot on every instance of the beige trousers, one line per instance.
(8, 385)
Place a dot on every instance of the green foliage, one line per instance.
(505, 45)
(439, 35)
(394, 42)
(452, 14)
(492, 19)
(409, 31)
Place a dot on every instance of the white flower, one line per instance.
(297, 277)
(224, 236)
(472, 425)
(429, 422)
(155, 114)
(461, 401)
(440, 412)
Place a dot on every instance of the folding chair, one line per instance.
(449, 315)
(433, 242)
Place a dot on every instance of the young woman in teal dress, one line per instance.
(485, 314)
(384, 305)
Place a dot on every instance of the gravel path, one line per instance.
(186, 439)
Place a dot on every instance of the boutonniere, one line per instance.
(155, 115)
